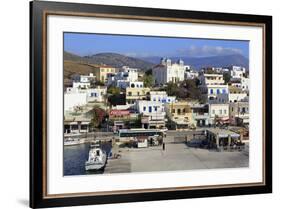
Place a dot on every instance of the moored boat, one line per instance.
(70, 141)
(96, 160)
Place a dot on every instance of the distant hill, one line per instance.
(111, 59)
(214, 61)
(71, 57)
(145, 63)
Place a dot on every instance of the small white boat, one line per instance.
(69, 141)
(96, 160)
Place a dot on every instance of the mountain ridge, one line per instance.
(210, 61)
(146, 63)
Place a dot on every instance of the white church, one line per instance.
(167, 71)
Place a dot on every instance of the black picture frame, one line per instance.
(38, 12)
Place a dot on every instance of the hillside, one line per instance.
(73, 67)
(112, 59)
(71, 57)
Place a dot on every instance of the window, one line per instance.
(129, 93)
(224, 91)
(149, 109)
(179, 111)
(211, 91)
(218, 91)
(155, 108)
(144, 108)
(225, 112)
(220, 112)
(138, 93)
(214, 112)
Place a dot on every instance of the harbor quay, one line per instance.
(176, 156)
(182, 150)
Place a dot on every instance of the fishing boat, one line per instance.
(70, 141)
(96, 160)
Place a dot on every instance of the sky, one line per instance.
(146, 46)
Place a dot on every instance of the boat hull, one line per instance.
(94, 166)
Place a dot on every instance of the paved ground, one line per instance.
(176, 156)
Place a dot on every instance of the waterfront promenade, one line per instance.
(176, 156)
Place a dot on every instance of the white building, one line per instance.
(161, 96)
(245, 84)
(84, 78)
(96, 94)
(93, 94)
(236, 94)
(130, 73)
(153, 113)
(132, 84)
(83, 81)
(236, 84)
(167, 71)
(239, 112)
(81, 85)
(237, 71)
(212, 85)
(150, 107)
(190, 74)
(125, 75)
(219, 110)
(72, 100)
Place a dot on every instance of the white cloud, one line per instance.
(205, 51)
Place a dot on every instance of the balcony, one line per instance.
(200, 115)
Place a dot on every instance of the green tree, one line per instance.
(172, 89)
(98, 83)
(148, 72)
(113, 90)
(187, 89)
(226, 77)
(148, 80)
(191, 89)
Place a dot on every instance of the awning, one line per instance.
(85, 123)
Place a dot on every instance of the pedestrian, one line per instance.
(163, 146)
